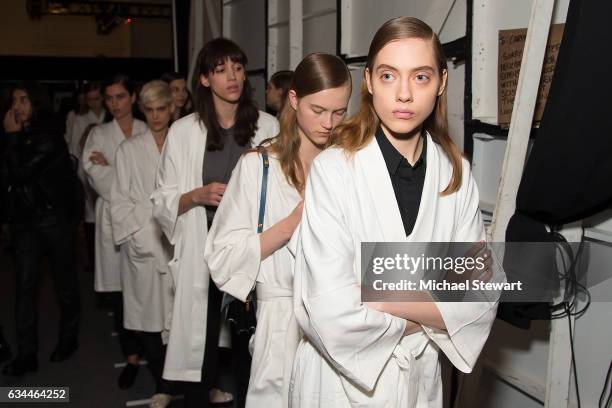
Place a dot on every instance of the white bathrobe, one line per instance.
(106, 139)
(145, 252)
(180, 171)
(78, 126)
(353, 356)
(234, 259)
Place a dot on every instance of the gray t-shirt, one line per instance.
(219, 164)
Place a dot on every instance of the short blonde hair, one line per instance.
(155, 91)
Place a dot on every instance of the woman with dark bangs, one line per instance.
(200, 153)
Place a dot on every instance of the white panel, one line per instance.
(244, 23)
(320, 34)
(487, 158)
(314, 6)
(455, 24)
(357, 78)
(361, 19)
(278, 11)
(296, 32)
(593, 351)
(278, 38)
(489, 18)
(259, 90)
(455, 102)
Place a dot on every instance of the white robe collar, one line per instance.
(387, 211)
(138, 127)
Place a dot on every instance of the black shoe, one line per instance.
(5, 350)
(21, 365)
(64, 350)
(128, 376)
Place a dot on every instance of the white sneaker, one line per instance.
(160, 400)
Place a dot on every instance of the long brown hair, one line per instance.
(359, 130)
(315, 73)
(214, 53)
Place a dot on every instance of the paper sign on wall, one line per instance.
(511, 45)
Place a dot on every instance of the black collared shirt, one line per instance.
(407, 180)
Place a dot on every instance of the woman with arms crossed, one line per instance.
(99, 164)
(146, 283)
(394, 175)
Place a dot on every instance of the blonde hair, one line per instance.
(359, 130)
(315, 73)
(155, 91)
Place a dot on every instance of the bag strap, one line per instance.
(264, 188)
(227, 298)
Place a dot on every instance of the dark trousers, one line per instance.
(155, 352)
(129, 340)
(241, 366)
(51, 236)
(90, 242)
(197, 394)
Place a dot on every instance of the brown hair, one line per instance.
(282, 80)
(359, 130)
(214, 53)
(315, 73)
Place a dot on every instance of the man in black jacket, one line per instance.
(42, 207)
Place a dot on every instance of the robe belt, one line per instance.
(268, 292)
(405, 354)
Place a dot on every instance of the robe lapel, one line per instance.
(117, 138)
(426, 218)
(374, 170)
(139, 127)
(151, 146)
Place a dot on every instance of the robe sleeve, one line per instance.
(167, 194)
(358, 341)
(269, 128)
(127, 216)
(233, 250)
(467, 323)
(100, 177)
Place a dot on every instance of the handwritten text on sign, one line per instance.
(511, 45)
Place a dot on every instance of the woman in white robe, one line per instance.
(99, 165)
(95, 114)
(239, 258)
(80, 129)
(145, 252)
(98, 162)
(184, 205)
(384, 354)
